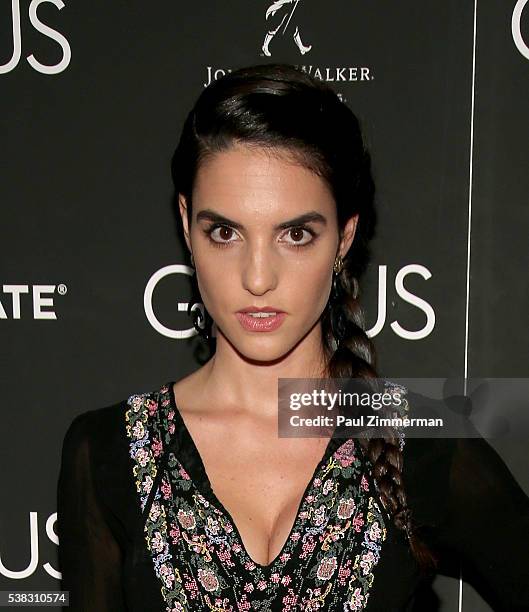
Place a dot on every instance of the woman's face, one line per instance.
(252, 247)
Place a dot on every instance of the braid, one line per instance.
(355, 356)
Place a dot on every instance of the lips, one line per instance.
(260, 324)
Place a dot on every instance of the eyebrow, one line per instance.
(312, 216)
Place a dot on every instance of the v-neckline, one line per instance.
(191, 460)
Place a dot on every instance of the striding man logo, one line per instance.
(280, 14)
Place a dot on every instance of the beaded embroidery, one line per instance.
(328, 560)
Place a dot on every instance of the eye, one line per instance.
(219, 234)
(298, 240)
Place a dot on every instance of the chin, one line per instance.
(263, 357)
(265, 347)
(261, 346)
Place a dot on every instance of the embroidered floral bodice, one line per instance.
(142, 530)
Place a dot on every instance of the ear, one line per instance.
(182, 204)
(348, 235)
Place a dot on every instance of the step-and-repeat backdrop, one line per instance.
(93, 283)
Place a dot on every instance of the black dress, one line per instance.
(141, 529)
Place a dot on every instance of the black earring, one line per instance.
(202, 322)
(335, 312)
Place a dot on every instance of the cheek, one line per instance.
(310, 290)
(209, 284)
(217, 289)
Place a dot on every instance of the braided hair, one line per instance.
(282, 108)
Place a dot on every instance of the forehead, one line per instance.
(258, 181)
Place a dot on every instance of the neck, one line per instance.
(249, 385)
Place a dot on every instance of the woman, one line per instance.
(185, 498)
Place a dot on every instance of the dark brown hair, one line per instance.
(278, 107)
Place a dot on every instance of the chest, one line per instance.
(259, 479)
(198, 553)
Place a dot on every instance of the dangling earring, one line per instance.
(338, 264)
(201, 320)
(337, 269)
(198, 317)
(335, 311)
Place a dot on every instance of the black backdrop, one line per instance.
(92, 100)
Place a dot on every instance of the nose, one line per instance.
(260, 272)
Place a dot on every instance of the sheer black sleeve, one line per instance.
(487, 528)
(90, 558)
